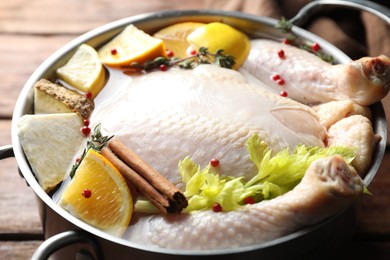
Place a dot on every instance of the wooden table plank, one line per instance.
(19, 211)
(58, 17)
(19, 250)
(18, 61)
(373, 215)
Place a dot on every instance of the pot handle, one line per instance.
(6, 151)
(320, 5)
(61, 240)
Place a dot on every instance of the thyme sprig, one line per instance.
(96, 142)
(203, 56)
(285, 26)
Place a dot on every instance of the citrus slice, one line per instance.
(131, 45)
(84, 71)
(216, 36)
(99, 195)
(175, 37)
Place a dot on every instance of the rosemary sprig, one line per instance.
(97, 142)
(285, 26)
(203, 56)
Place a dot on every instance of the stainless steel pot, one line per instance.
(61, 229)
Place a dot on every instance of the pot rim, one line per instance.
(144, 21)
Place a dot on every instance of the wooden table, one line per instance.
(29, 32)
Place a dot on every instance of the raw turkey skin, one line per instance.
(310, 80)
(208, 112)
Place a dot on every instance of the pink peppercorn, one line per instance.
(217, 207)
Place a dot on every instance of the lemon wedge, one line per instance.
(131, 45)
(98, 194)
(84, 71)
(215, 36)
(175, 37)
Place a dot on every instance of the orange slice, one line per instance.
(131, 45)
(99, 195)
(175, 37)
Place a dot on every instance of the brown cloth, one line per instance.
(356, 33)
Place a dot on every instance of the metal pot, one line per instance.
(62, 229)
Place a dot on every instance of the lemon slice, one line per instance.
(175, 37)
(131, 45)
(84, 71)
(215, 36)
(99, 195)
(50, 141)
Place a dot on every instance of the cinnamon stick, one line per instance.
(143, 186)
(166, 188)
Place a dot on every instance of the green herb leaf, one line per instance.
(284, 25)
